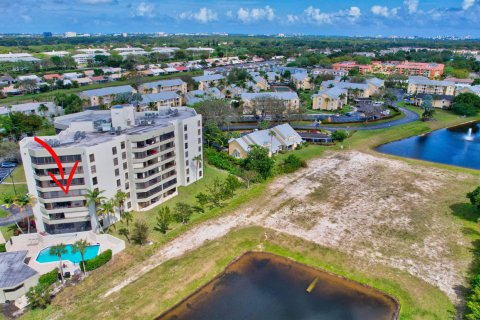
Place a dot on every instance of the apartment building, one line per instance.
(46, 109)
(161, 99)
(471, 89)
(16, 57)
(418, 85)
(257, 101)
(429, 70)
(355, 90)
(82, 59)
(301, 81)
(330, 99)
(208, 80)
(103, 96)
(173, 85)
(148, 155)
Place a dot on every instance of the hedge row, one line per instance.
(49, 278)
(2, 247)
(223, 160)
(98, 261)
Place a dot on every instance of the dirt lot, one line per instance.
(366, 205)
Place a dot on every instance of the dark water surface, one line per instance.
(267, 287)
(453, 146)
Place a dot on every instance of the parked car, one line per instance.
(8, 164)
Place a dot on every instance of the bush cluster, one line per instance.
(292, 163)
(222, 161)
(98, 261)
(2, 247)
(49, 278)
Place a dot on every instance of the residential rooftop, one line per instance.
(13, 269)
(107, 91)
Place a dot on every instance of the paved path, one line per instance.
(14, 216)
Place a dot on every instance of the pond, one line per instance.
(458, 146)
(269, 287)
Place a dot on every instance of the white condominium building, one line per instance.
(145, 154)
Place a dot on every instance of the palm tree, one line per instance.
(81, 247)
(272, 134)
(105, 209)
(344, 78)
(8, 201)
(128, 217)
(43, 109)
(198, 160)
(95, 197)
(59, 250)
(119, 199)
(125, 232)
(22, 202)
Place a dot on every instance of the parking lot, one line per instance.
(4, 173)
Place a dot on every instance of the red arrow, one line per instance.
(59, 165)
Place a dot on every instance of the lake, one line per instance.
(268, 287)
(458, 146)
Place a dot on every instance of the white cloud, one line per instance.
(95, 1)
(412, 5)
(204, 15)
(145, 9)
(26, 18)
(315, 15)
(291, 18)
(384, 11)
(256, 14)
(467, 4)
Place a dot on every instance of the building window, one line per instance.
(117, 172)
(94, 180)
(186, 145)
(126, 175)
(93, 169)
(118, 183)
(199, 132)
(188, 180)
(199, 148)
(127, 186)
(186, 154)
(114, 150)
(124, 166)
(188, 171)
(185, 127)
(122, 145)
(185, 136)
(199, 123)
(129, 205)
(186, 163)
(199, 140)
(115, 161)
(92, 157)
(124, 155)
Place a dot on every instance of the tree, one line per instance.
(464, 109)
(389, 98)
(59, 250)
(124, 232)
(202, 199)
(258, 160)
(230, 185)
(271, 134)
(70, 103)
(216, 110)
(8, 201)
(43, 109)
(182, 212)
(28, 85)
(427, 107)
(474, 197)
(215, 193)
(106, 209)
(39, 296)
(81, 246)
(268, 105)
(119, 199)
(249, 176)
(17, 124)
(467, 104)
(128, 217)
(22, 202)
(339, 135)
(140, 232)
(94, 197)
(164, 217)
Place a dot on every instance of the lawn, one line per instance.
(48, 96)
(19, 180)
(167, 284)
(187, 195)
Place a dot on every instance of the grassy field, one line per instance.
(168, 284)
(48, 96)
(19, 180)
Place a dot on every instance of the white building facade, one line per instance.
(144, 154)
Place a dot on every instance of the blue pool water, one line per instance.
(44, 256)
(458, 146)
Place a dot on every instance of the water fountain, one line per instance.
(469, 136)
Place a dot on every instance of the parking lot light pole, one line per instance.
(13, 183)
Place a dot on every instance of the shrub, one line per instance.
(2, 247)
(292, 163)
(49, 278)
(222, 161)
(464, 109)
(98, 261)
(140, 232)
(39, 296)
(339, 135)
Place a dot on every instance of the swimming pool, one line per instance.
(44, 256)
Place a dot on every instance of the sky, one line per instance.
(321, 17)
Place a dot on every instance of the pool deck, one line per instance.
(35, 242)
